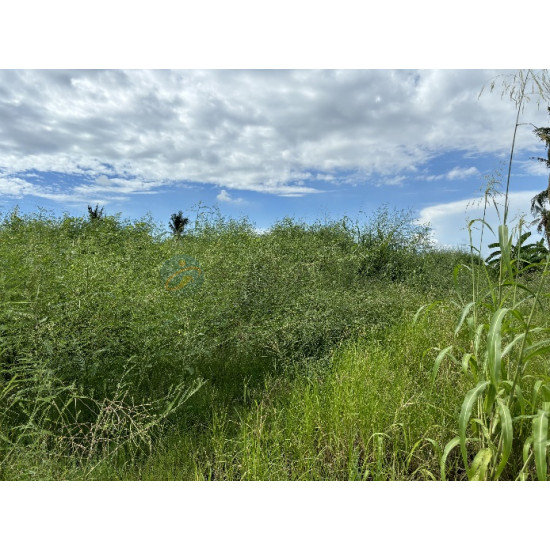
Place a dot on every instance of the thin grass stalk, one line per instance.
(518, 113)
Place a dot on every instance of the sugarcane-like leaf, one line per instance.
(465, 412)
(540, 439)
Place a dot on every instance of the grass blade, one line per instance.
(448, 448)
(465, 312)
(540, 438)
(494, 351)
(480, 464)
(469, 362)
(507, 434)
(465, 412)
(536, 349)
(439, 359)
(505, 245)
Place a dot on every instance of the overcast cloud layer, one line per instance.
(279, 132)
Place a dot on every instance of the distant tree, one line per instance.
(540, 203)
(178, 223)
(95, 213)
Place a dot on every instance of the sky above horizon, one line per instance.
(312, 145)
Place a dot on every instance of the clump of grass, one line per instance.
(502, 357)
(369, 414)
(45, 421)
(503, 421)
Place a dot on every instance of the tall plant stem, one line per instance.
(519, 109)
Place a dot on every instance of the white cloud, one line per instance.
(16, 187)
(264, 131)
(396, 181)
(449, 221)
(223, 196)
(534, 168)
(457, 173)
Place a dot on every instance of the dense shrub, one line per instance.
(84, 309)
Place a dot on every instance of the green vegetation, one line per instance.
(344, 350)
(95, 213)
(322, 351)
(503, 421)
(523, 257)
(178, 223)
(293, 357)
(307, 353)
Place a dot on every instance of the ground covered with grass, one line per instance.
(325, 351)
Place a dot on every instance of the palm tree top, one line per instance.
(178, 223)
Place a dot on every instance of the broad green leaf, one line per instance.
(478, 336)
(494, 352)
(469, 362)
(490, 400)
(507, 435)
(540, 439)
(534, 394)
(507, 349)
(505, 246)
(480, 464)
(465, 412)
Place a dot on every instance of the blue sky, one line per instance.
(311, 144)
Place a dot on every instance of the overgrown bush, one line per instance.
(391, 245)
(88, 333)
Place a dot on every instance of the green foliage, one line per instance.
(539, 203)
(502, 349)
(391, 244)
(95, 213)
(177, 223)
(99, 363)
(74, 301)
(524, 258)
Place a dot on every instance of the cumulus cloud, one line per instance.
(445, 218)
(533, 168)
(277, 132)
(457, 173)
(16, 187)
(223, 196)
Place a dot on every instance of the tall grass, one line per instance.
(100, 364)
(368, 415)
(503, 421)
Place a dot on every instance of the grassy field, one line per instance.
(343, 350)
